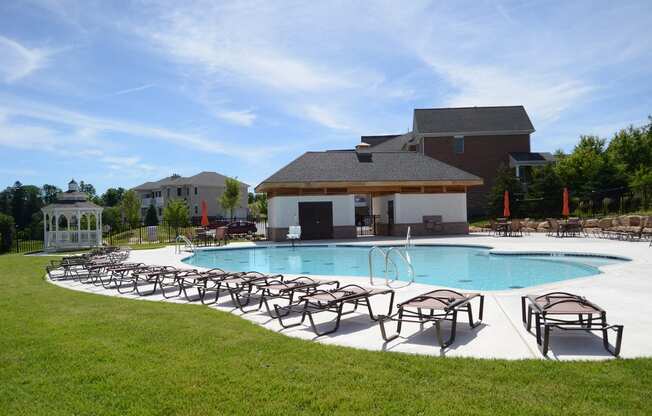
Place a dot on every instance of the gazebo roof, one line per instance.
(72, 205)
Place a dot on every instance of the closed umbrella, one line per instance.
(204, 214)
(565, 211)
(506, 213)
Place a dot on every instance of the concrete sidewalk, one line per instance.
(622, 289)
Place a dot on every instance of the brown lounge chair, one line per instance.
(288, 289)
(446, 302)
(332, 301)
(570, 313)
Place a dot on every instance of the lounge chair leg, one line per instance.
(381, 322)
(546, 339)
(537, 318)
(330, 331)
(523, 310)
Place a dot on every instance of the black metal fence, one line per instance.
(166, 234)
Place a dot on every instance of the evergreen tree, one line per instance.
(151, 218)
(505, 180)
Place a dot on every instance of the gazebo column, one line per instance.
(99, 229)
(56, 228)
(46, 218)
(79, 227)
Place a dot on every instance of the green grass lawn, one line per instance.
(70, 353)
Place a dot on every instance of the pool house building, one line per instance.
(318, 191)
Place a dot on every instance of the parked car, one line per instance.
(241, 227)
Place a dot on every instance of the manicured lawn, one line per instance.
(63, 352)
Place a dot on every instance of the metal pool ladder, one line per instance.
(187, 244)
(402, 254)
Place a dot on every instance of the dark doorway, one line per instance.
(390, 217)
(316, 220)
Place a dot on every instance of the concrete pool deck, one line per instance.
(624, 290)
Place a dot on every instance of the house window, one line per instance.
(178, 191)
(168, 192)
(195, 190)
(458, 144)
(187, 191)
(160, 211)
(196, 209)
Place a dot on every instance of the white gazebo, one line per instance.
(72, 222)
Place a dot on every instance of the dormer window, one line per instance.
(458, 145)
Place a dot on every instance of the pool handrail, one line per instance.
(183, 239)
(386, 255)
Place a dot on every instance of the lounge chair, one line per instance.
(567, 312)
(333, 301)
(288, 289)
(442, 304)
(237, 285)
(142, 277)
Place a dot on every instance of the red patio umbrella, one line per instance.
(204, 214)
(506, 213)
(565, 211)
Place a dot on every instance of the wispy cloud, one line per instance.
(94, 126)
(19, 61)
(129, 90)
(243, 117)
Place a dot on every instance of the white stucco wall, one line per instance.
(283, 211)
(379, 206)
(410, 208)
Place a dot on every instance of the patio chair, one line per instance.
(294, 233)
(517, 228)
(443, 304)
(278, 289)
(568, 312)
(553, 227)
(333, 301)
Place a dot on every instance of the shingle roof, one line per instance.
(394, 144)
(200, 179)
(351, 166)
(374, 140)
(532, 156)
(472, 120)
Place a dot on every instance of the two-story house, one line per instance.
(205, 186)
(477, 140)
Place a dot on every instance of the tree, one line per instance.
(112, 197)
(588, 168)
(112, 216)
(131, 208)
(505, 181)
(231, 196)
(631, 149)
(151, 218)
(6, 232)
(546, 187)
(50, 193)
(176, 213)
(258, 204)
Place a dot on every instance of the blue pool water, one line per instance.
(452, 266)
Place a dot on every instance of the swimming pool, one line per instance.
(463, 267)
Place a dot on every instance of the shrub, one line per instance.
(6, 232)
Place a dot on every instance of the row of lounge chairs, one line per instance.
(305, 297)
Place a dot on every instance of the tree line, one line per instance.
(602, 176)
(21, 216)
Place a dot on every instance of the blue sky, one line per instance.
(118, 93)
